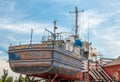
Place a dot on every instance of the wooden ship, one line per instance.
(52, 59)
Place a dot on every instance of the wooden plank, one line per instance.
(26, 64)
(34, 54)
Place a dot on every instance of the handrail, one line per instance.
(104, 75)
(100, 74)
(27, 46)
(94, 73)
(105, 72)
(93, 76)
(100, 77)
(63, 50)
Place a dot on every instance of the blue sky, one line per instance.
(17, 17)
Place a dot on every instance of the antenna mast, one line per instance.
(76, 21)
(55, 26)
(88, 30)
(54, 35)
(31, 37)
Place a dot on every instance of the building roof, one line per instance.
(114, 62)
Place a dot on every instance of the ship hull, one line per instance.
(45, 63)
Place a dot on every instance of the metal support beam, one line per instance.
(54, 78)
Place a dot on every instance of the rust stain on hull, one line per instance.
(45, 62)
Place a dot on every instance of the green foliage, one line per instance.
(21, 78)
(0, 80)
(26, 78)
(16, 80)
(5, 75)
(6, 78)
(9, 79)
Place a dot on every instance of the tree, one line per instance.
(5, 75)
(30, 78)
(21, 78)
(26, 78)
(6, 78)
(0, 80)
(9, 79)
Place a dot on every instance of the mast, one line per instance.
(55, 26)
(76, 30)
(76, 22)
(31, 37)
(54, 35)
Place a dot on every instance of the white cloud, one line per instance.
(91, 19)
(1, 52)
(5, 65)
(109, 40)
(7, 6)
(105, 28)
(3, 55)
(25, 27)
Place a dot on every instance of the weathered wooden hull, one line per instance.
(45, 63)
(31, 67)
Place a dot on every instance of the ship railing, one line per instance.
(32, 46)
(104, 61)
(84, 66)
(43, 44)
(22, 43)
(63, 50)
